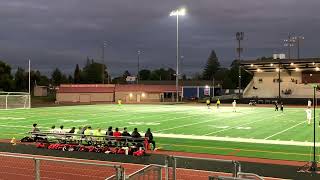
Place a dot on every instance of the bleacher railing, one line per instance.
(44, 168)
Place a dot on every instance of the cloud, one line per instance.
(63, 33)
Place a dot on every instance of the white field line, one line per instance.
(192, 124)
(53, 117)
(230, 139)
(239, 125)
(284, 130)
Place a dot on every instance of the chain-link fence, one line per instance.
(25, 167)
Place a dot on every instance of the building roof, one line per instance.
(86, 88)
(145, 88)
(111, 88)
(271, 65)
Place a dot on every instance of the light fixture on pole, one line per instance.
(177, 13)
(239, 36)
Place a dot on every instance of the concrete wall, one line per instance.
(40, 91)
(84, 97)
(138, 97)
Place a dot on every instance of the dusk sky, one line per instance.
(62, 33)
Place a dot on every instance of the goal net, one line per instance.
(14, 100)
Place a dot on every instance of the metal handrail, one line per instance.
(61, 160)
(143, 169)
(250, 175)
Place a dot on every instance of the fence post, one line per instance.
(37, 169)
(174, 168)
(120, 173)
(166, 166)
(237, 168)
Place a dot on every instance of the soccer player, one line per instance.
(281, 107)
(276, 108)
(218, 103)
(208, 103)
(309, 112)
(234, 104)
(309, 103)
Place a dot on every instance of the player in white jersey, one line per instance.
(309, 103)
(234, 105)
(309, 113)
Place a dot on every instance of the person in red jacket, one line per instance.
(117, 134)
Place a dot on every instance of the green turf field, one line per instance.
(251, 132)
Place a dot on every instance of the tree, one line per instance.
(234, 75)
(56, 77)
(126, 74)
(211, 67)
(144, 74)
(77, 75)
(6, 80)
(21, 80)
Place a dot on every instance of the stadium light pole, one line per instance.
(289, 43)
(103, 65)
(29, 74)
(297, 40)
(239, 36)
(177, 13)
(138, 75)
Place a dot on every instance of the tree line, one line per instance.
(95, 73)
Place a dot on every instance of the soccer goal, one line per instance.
(14, 100)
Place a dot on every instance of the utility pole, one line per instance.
(239, 36)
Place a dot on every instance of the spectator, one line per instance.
(35, 129)
(88, 131)
(83, 129)
(149, 135)
(62, 131)
(109, 131)
(98, 133)
(125, 133)
(117, 133)
(135, 133)
(73, 129)
(53, 129)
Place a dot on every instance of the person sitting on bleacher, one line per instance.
(62, 131)
(109, 132)
(125, 133)
(116, 133)
(98, 133)
(88, 132)
(35, 130)
(149, 135)
(135, 133)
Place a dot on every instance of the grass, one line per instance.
(249, 132)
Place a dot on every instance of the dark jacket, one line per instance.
(149, 135)
(125, 133)
(135, 134)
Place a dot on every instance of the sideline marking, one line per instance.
(233, 139)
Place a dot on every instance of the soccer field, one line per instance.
(251, 132)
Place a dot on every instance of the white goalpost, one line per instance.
(14, 100)
(17, 100)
